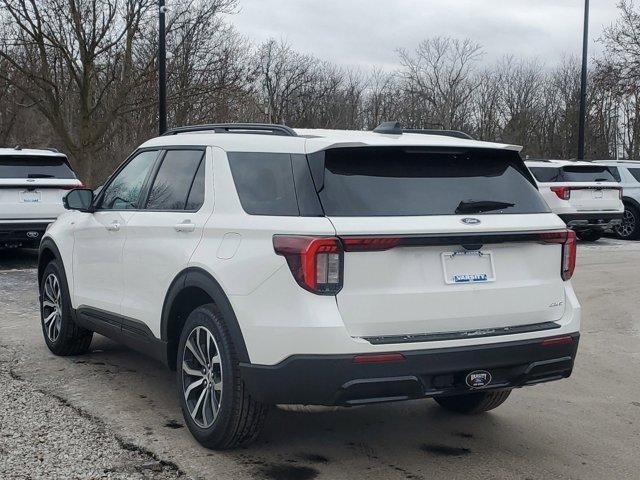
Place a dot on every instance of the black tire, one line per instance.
(630, 227)
(589, 235)
(67, 338)
(472, 403)
(239, 418)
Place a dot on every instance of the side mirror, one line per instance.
(79, 199)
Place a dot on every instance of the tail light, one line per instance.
(566, 238)
(315, 262)
(71, 187)
(563, 193)
(620, 192)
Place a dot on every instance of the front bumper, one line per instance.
(17, 234)
(584, 221)
(338, 380)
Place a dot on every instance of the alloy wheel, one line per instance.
(628, 225)
(52, 307)
(202, 376)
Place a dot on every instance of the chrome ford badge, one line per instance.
(470, 221)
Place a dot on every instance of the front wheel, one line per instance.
(216, 406)
(629, 229)
(589, 235)
(61, 334)
(471, 403)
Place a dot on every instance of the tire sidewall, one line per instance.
(67, 321)
(207, 316)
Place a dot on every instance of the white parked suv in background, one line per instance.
(320, 267)
(629, 174)
(585, 195)
(32, 184)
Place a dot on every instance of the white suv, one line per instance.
(32, 184)
(273, 266)
(628, 172)
(585, 195)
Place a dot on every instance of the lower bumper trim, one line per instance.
(337, 380)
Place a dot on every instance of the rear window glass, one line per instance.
(395, 182)
(264, 182)
(24, 166)
(576, 173)
(174, 180)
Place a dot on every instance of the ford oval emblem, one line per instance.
(33, 234)
(470, 221)
(478, 379)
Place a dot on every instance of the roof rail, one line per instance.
(444, 133)
(254, 128)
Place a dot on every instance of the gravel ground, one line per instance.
(43, 437)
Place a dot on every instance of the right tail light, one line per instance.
(566, 238)
(563, 193)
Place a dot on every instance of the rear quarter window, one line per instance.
(33, 166)
(264, 182)
(635, 172)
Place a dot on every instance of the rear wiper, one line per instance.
(39, 175)
(478, 206)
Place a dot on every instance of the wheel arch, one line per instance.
(631, 201)
(191, 288)
(47, 252)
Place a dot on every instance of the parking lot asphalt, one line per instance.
(586, 427)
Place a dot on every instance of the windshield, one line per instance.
(407, 181)
(25, 166)
(577, 173)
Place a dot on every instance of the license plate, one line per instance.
(468, 266)
(598, 194)
(32, 196)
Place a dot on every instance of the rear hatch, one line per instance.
(440, 241)
(32, 186)
(588, 188)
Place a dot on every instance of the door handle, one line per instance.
(113, 226)
(186, 226)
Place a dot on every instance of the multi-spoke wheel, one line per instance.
(202, 377)
(61, 334)
(218, 410)
(51, 307)
(629, 229)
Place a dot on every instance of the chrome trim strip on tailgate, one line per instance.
(460, 335)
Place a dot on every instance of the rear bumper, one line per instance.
(337, 380)
(579, 221)
(15, 234)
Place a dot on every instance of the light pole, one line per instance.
(162, 68)
(583, 83)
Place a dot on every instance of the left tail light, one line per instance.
(71, 187)
(566, 238)
(563, 193)
(317, 263)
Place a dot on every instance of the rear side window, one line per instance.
(264, 182)
(174, 180)
(635, 172)
(23, 166)
(577, 173)
(396, 182)
(196, 195)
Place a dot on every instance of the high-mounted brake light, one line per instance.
(563, 193)
(315, 262)
(566, 238)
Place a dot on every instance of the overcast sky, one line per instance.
(367, 32)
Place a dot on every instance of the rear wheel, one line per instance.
(216, 406)
(471, 403)
(589, 235)
(61, 334)
(629, 229)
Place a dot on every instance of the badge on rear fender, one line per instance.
(478, 379)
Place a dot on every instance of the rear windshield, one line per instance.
(576, 173)
(24, 166)
(396, 182)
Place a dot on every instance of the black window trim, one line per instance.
(144, 192)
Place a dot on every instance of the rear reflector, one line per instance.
(547, 342)
(379, 358)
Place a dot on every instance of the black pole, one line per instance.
(583, 83)
(162, 69)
